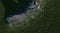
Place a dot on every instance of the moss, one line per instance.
(48, 23)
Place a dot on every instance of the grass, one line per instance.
(48, 23)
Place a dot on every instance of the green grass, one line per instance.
(49, 22)
(15, 1)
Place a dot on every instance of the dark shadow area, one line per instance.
(12, 8)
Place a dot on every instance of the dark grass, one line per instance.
(48, 23)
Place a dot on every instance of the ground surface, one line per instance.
(48, 23)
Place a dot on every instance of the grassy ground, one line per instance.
(48, 23)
